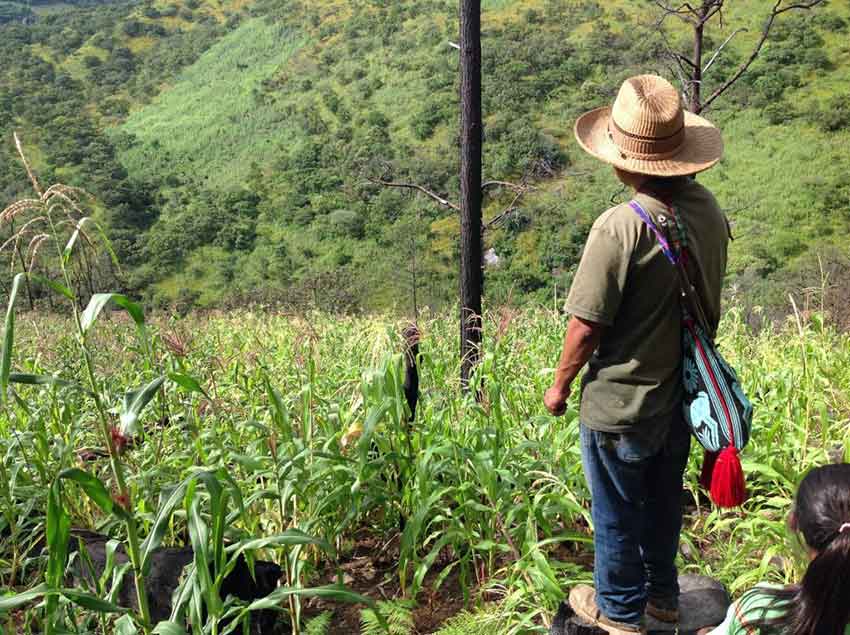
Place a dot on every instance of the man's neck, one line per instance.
(632, 179)
(640, 182)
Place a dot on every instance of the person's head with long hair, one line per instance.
(820, 604)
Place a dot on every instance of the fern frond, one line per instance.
(397, 613)
(319, 625)
(467, 623)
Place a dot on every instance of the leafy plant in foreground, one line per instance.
(57, 212)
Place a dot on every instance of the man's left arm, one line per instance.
(581, 340)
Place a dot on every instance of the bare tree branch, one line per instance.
(413, 186)
(511, 186)
(811, 4)
(520, 191)
(720, 49)
(682, 59)
(684, 12)
(498, 218)
(777, 10)
(680, 70)
(710, 9)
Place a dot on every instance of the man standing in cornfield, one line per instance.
(626, 322)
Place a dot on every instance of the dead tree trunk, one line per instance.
(471, 275)
(696, 98)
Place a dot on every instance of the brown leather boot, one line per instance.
(583, 602)
(668, 616)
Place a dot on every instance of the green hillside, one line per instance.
(247, 135)
(210, 116)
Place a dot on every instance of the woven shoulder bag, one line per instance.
(715, 405)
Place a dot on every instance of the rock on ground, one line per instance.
(167, 564)
(702, 602)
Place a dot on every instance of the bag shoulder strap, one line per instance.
(677, 258)
(663, 241)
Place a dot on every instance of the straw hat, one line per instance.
(648, 132)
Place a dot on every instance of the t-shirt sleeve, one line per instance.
(598, 285)
(756, 604)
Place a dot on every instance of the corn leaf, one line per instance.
(8, 338)
(92, 602)
(125, 625)
(100, 300)
(12, 602)
(94, 489)
(168, 628)
(188, 382)
(133, 404)
(160, 525)
(69, 246)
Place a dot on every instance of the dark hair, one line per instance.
(820, 604)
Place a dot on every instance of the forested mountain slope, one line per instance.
(231, 146)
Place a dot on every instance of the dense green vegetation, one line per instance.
(309, 419)
(230, 151)
(69, 76)
(231, 156)
(291, 439)
(13, 12)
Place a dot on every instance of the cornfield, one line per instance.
(259, 435)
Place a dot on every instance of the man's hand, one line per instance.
(556, 400)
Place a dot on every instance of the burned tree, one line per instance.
(411, 370)
(471, 139)
(472, 189)
(690, 69)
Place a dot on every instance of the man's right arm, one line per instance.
(593, 302)
(581, 340)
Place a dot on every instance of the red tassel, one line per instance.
(727, 480)
(709, 460)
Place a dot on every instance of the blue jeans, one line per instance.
(636, 489)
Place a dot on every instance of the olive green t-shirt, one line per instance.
(625, 282)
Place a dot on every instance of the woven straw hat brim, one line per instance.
(701, 148)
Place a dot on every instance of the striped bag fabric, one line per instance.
(715, 405)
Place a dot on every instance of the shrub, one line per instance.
(427, 119)
(133, 28)
(779, 112)
(346, 222)
(92, 61)
(834, 115)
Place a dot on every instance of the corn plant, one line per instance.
(57, 213)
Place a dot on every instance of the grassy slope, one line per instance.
(143, 47)
(140, 45)
(209, 121)
(208, 125)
